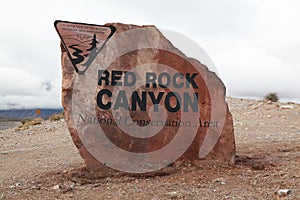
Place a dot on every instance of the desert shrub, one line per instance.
(56, 117)
(27, 123)
(35, 121)
(272, 97)
(23, 121)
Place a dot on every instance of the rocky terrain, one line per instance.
(41, 162)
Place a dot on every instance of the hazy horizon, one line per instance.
(254, 44)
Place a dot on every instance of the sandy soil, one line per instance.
(43, 163)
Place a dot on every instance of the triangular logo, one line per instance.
(83, 41)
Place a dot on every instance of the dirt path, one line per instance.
(43, 163)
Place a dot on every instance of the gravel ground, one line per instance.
(43, 163)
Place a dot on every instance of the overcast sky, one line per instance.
(255, 44)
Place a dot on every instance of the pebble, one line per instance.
(286, 107)
(220, 180)
(172, 194)
(55, 187)
(283, 192)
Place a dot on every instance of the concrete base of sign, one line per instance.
(214, 140)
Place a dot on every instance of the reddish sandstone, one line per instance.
(222, 151)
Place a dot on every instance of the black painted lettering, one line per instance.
(164, 80)
(187, 101)
(169, 96)
(100, 99)
(129, 79)
(156, 100)
(190, 80)
(150, 78)
(121, 101)
(142, 102)
(103, 75)
(175, 83)
(115, 77)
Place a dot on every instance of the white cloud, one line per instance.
(20, 102)
(251, 72)
(264, 58)
(255, 44)
(21, 89)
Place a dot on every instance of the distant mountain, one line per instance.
(17, 114)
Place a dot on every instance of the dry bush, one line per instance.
(56, 117)
(272, 97)
(27, 123)
(35, 121)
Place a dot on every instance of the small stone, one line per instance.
(21, 128)
(283, 192)
(220, 180)
(286, 107)
(256, 107)
(55, 187)
(171, 194)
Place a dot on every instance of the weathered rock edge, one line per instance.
(223, 151)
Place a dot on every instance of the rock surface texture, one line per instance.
(214, 137)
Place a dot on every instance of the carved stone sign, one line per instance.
(135, 103)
